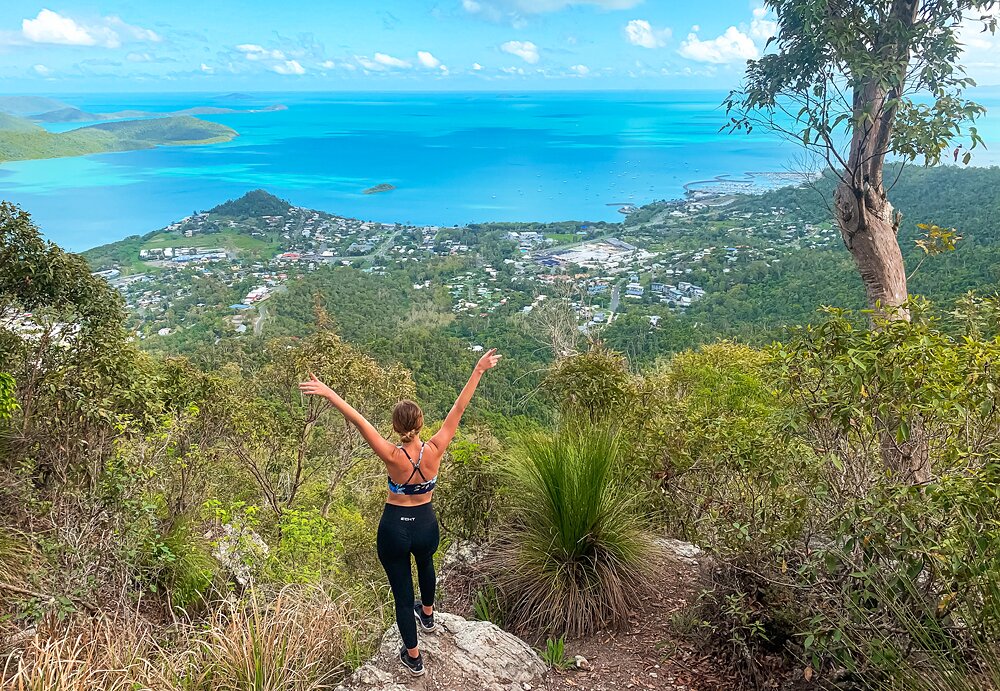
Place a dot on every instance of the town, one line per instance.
(228, 262)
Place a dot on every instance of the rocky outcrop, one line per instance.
(461, 655)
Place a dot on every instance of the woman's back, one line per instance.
(412, 470)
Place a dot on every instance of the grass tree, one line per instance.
(578, 558)
(860, 82)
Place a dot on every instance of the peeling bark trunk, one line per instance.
(868, 226)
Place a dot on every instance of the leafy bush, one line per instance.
(577, 556)
(595, 385)
(473, 504)
(794, 467)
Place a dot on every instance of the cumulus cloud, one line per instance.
(581, 70)
(206, 69)
(288, 67)
(42, 70)
(428, 60)
(139, 57)
(639, 32)
(732, 46)
(526, 50)
(54, 28)
(761, 27)
(389, 61)
(476, 66)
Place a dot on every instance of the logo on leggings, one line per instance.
(407, 518)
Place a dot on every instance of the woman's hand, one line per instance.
(489, 360)
(314, 387)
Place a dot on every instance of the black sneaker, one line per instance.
(414, 664)
(426, 622)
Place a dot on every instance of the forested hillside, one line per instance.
(172, 522)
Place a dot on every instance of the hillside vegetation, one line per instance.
(21, 140)
(241, 516)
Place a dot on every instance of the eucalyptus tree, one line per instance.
(860, 83)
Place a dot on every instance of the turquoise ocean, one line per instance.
(454, 158)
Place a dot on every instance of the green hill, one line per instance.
(21, 140)
(29, 105)
(67, 115)
(256, 203)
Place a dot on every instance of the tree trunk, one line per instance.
(868, 226)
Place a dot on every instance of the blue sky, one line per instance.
(205, 45)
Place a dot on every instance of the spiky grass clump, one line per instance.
(577, 560)
(296, 640)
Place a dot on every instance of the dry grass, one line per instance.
(297, 640)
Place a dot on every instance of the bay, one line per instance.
(453, 158)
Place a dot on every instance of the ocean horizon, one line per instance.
(453, 157)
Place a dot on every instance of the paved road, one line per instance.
(258, 323)
(616, 298)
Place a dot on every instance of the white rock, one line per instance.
(461, 655)
(682, 551)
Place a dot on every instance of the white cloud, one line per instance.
(135, 32)
(206, 69)
(42, 70)
(328, 64)
(139, 57)
(762, 28)
(581, 70)
(732, 46)
(428, 60)
(252, 51)
(289, 67)
(492, 8)
(476, 66)
(52, 27)
(512, 70)
(389, 61)
(639, 32)
(526, 50)
(981, 57)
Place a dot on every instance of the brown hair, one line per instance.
(407, 419)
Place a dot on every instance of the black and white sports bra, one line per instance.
(417, 487)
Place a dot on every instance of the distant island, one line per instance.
(70, 114)
(21, 139)
(50, 110)
(384, 187)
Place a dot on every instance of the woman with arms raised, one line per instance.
(408, 524)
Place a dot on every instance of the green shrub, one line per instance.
(472, 506)
(576, 559)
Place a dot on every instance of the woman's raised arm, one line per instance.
(447, 432)
(380, 445)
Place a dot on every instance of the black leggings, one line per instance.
(406, 530)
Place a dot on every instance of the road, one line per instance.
(616, 298)
(258, 323)
(365, 257)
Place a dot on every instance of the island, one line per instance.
(384, 187)
(21, 139)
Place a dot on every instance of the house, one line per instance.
(634, 290)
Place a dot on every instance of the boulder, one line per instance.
(461, 655)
